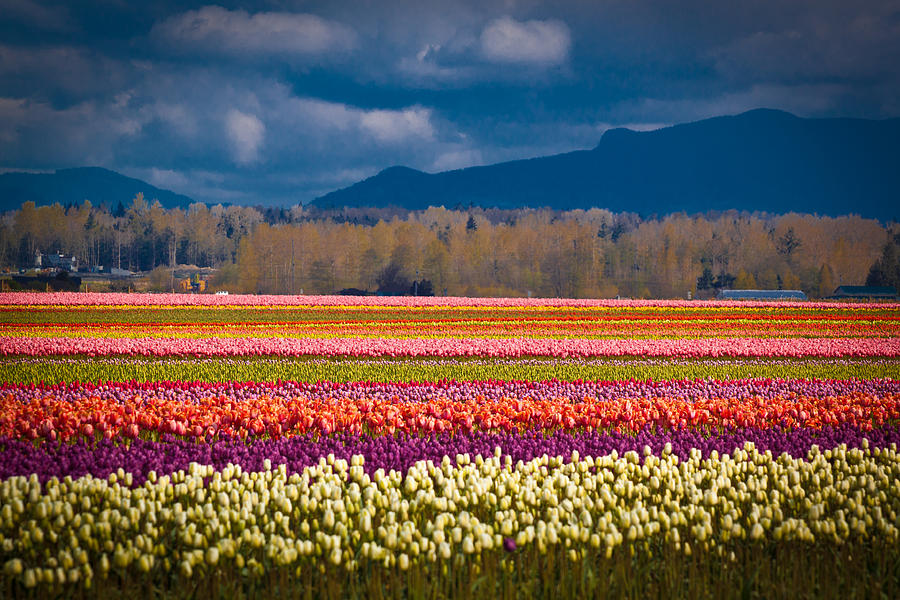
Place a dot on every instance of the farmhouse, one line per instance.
(55, 261)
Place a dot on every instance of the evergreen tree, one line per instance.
(706, 280)
(886, 270)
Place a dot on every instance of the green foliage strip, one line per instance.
(405, 370)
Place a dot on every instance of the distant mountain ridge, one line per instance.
(761, 160)
(74, 186)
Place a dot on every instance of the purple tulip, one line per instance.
(19, 457)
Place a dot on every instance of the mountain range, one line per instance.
(74, 186)
(761, 160)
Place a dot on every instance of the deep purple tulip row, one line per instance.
(400, 453)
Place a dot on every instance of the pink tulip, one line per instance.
(452, 347)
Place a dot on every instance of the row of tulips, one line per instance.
(445, 330)
(463, 391)
(302, 317)
(454, 347)
(480, 525)
(114, 299)
(170, 454)
(206, 412)
(121, 316)
(68, 369)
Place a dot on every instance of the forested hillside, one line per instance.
(73, 186)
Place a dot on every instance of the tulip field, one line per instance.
(201, 446)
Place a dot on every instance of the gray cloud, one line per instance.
(246, 133)
(37, 135)
(388, 126)
(457, 159)
(506, 40)
(35, 14)
(216, 30)
(864, 47)
(64, 73)
(502, 49)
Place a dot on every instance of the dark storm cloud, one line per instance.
(281, 101)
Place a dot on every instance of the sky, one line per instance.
(278, 102)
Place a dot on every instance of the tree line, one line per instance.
(466, 251)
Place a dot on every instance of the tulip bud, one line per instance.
(30, 578)
(121, 558)
(468, 546)
(212, 555)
